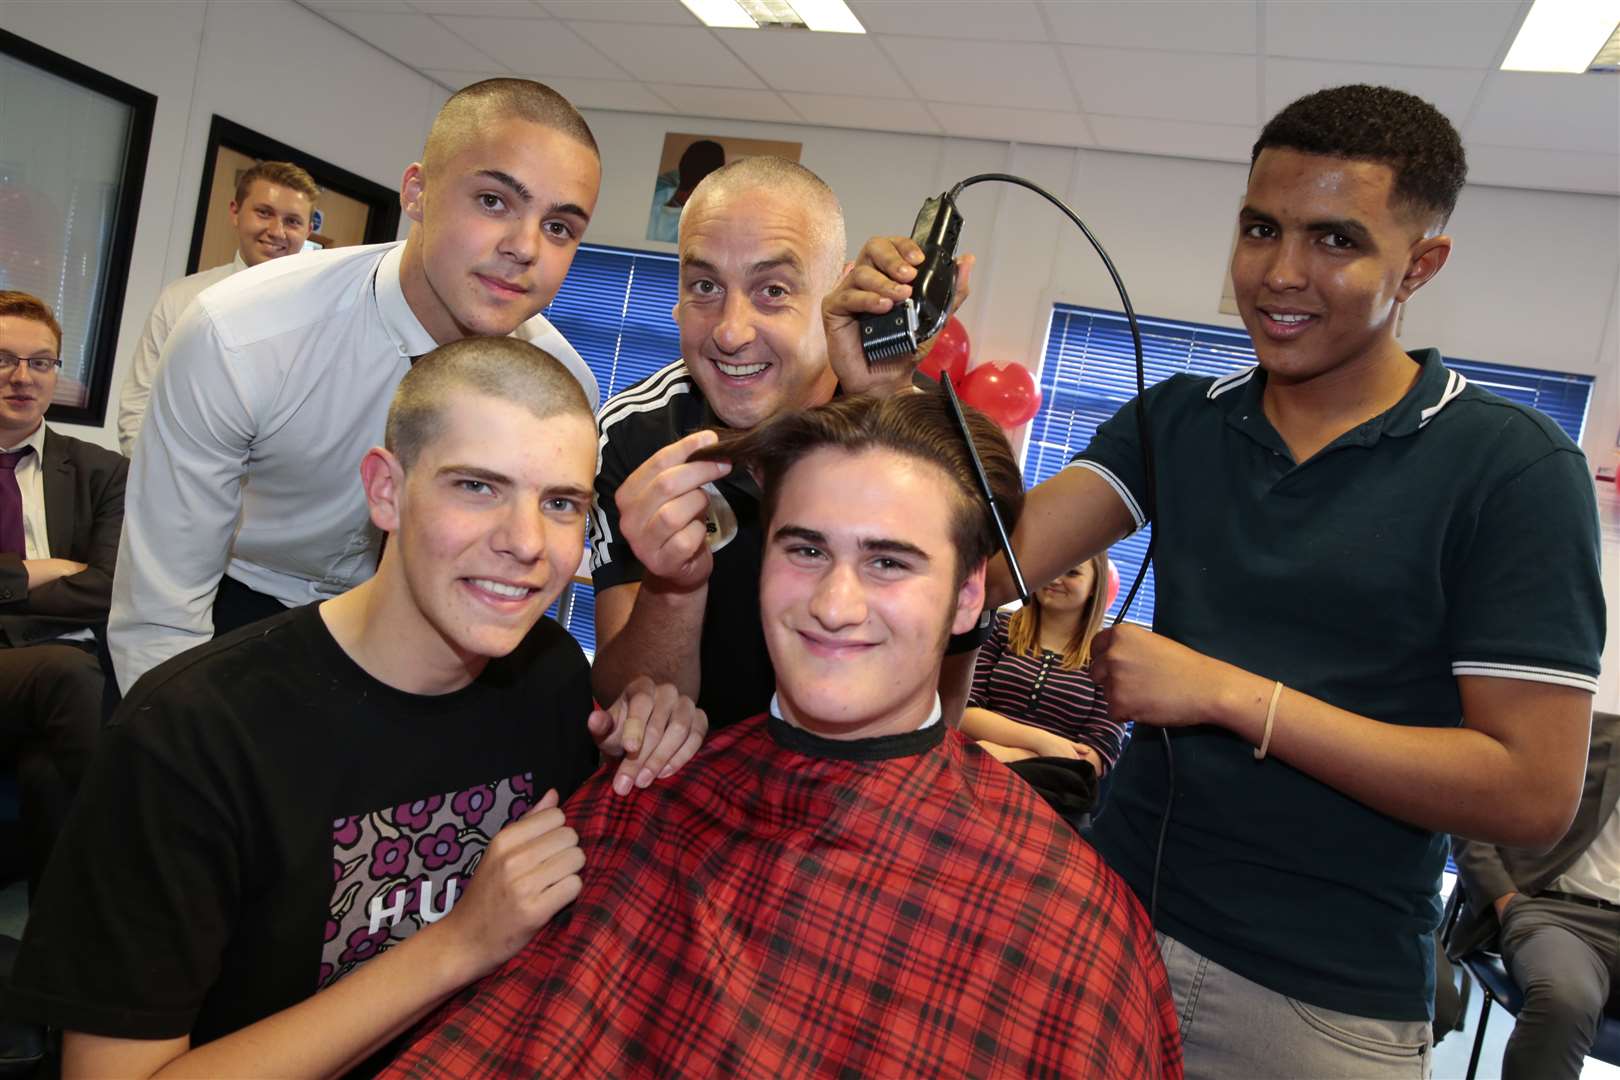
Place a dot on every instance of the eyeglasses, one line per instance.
(984, 488)
(39, 365)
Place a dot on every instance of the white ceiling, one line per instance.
(1185, 78)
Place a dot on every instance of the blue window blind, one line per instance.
(614, 307)
(1089, 371)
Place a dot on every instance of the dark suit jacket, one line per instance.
(1488, 872)
(84, 514)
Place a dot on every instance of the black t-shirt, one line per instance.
(264, 816)
(636, 423)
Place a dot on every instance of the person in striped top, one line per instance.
(1032, 692)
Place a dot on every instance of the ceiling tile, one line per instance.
(516, 9)
(1204, 26)
(1562, 170)
(540, 46)
(1431, 33)
(875, 114)
(1220, 142)
(982, 72)
(668, 53)
(455, 80)
(726, 103)
(374, 6)
(609, 94)
(978, 20)
(413, 39)
(1013, 125)
(666, 12)
(1451, 90)
(816, 62)
(1199, 87)
(1553, 112)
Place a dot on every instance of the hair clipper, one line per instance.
(899, 331)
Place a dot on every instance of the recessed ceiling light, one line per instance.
(829, 15)
(1562, 35)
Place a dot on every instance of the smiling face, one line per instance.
(859, 591)
(270, 222)
(24, 393)
(498, 219)
(1323, 260)
(487, 525)
(1069, 593)
(754, 267)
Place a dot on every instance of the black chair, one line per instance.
(1496, 985)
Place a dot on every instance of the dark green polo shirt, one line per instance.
(1456, 534)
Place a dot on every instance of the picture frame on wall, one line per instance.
(350, 209)
(73, 150)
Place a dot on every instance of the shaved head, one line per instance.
(780, 177)
(475, 107)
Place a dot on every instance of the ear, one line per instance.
(675, 313)
(234, 210)
(1428, 256)
(411, 190)
(969, 601)
(383, 480)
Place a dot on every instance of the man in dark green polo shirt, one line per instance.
(1377, 579)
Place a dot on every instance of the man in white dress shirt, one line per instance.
(271, 216)
(242, 496)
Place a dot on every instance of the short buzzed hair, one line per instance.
(779, 175)
(1382, 125)
(497, 367)
(21, 305)
(475, 106)
(284, 173)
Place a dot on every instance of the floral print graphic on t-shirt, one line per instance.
(399, 868)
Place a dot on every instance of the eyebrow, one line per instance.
(473, 472)
(572, 490)
(873, 545)
(785, 259)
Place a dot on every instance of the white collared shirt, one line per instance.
(272, 387)
(36, 535)
(1596, 872)
(171, 304)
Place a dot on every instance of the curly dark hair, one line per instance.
(1381, 124)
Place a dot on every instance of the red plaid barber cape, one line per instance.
(797, 906)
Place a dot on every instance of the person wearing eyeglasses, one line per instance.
(61, 509)
(841, 885)
(676, 543)
(270, 216)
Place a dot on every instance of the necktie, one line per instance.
(12, 541)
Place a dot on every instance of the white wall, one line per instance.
(272, 66)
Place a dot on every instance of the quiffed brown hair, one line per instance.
(918, 425)
(497, 367)
(284, 173)
(21, 305)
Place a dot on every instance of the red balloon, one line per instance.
(1004, 392)
(1113, 583)
(949, 354)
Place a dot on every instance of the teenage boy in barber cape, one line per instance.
(1376, 578)
(306, 833)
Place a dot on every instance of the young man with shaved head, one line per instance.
(307, 832)
(675, 543)
(270, 215)
(241, 496)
